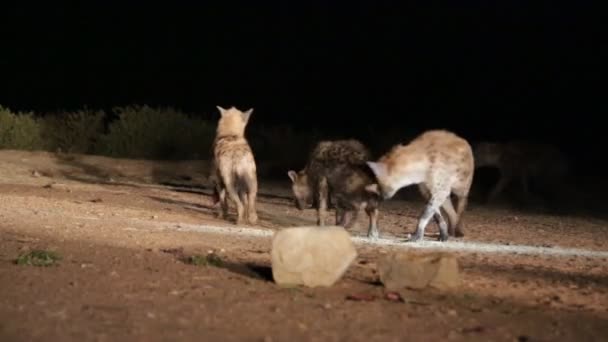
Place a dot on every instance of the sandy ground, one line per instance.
(123, 228)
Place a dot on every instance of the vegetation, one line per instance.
(38, 258)
(144, 132)
(20, 131)
(211, 259)
(156, 133)
(72, 132)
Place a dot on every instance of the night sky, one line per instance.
(504, 69)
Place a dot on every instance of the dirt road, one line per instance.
(124, 239)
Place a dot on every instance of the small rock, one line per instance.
(35, 173)
(311, 256)
(417, 270)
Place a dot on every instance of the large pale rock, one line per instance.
(417, 270)
(311, 256)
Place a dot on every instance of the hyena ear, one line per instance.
(222, 110)
(292, 175)
(379, 169)
(372, 188)
(247, 114)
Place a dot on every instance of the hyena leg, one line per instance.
(234, 196)
(244, 200)
(372, 231)
(252, 215)
(322, 193)
(223, 208)
(340, 216)
(353, 218)
(443, 226)
(446, 206)
(432, 209)
(463, 200)
(499, 187)
(452, 215)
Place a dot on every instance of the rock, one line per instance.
(311, 256)
(417, 270)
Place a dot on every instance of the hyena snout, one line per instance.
(299, 203)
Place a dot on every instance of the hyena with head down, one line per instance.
(234, 166)
(441, 163)
(540, 164)
(338, 168)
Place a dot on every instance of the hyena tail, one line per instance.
(244, 182)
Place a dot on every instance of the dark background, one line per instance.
(487, 70)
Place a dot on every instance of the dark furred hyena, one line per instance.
(354, 187)
(234, 165)
(542, 165)
(309, 186)
(337, 167)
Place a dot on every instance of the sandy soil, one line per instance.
(123, 229)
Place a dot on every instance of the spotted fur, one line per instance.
(234, 166)
(441, 163)
(333, 167)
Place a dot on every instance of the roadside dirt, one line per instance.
(122, 277)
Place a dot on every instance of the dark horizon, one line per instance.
(508, 70)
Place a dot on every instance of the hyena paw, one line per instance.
(253, 219)
(416, 237)
(373, 235)
(459, 233)
(443, 237)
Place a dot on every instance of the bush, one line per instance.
(73, 132)
(156, 133)
(144, 132)
(20, 131)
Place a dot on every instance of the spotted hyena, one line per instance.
(440, 163)
(354, 188)
(234, 166)
(541, 164)
(309, 185)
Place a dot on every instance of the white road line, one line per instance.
(398, 243)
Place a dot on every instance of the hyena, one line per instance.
(234, 165)
(354, 188)
(441, 163)
(541, 164)
(310, 184)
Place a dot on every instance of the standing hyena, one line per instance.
(441, 163)
(540, 164)
(354, 188)
(310, 184)
(234, 165)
